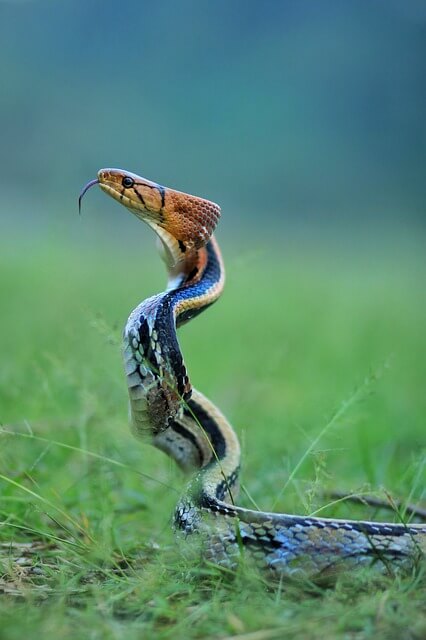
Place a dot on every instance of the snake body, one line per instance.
(176, 418)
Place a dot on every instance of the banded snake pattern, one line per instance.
(170, 414)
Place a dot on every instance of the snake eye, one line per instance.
(127, 182)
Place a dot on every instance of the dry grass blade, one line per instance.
(374, 501)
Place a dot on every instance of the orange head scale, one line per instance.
(183, 222)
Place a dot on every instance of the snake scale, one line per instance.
(167, 412)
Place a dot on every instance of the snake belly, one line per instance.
(169, 413)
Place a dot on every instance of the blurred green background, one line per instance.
(293, 113)
(305, 121)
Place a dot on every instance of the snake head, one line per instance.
(184, 222)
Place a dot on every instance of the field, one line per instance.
(317, 358)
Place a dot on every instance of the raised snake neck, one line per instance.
(174, 417)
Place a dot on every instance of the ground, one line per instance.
(318, 359)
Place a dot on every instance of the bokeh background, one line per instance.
(295, 113)
(305, 120)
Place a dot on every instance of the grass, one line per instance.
(320, 363)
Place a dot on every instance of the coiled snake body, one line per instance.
(169, 413)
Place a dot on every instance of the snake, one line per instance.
(167, 412)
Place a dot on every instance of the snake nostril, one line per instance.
(127, 182)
